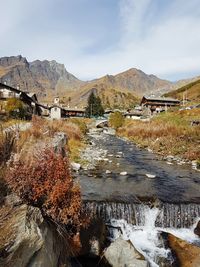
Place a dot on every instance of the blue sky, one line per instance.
(98, 37)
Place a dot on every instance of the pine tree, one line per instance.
(94, 107)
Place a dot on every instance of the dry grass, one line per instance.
(43, 130)
(169, 133)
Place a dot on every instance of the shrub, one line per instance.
(116, 120)
(81, 124)
(17, 109)
(45, 182)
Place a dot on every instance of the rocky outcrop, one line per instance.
(37, 76)
(58, 143)
(188, 255)
(197, 229)
(122, 253)
(27, 240)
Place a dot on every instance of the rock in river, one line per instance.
(150, 175)
(122, 253)
(123, 173)
(188, 255)
(75, 166)
(197, 229)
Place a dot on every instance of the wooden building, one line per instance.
(7, 92)
(158, 104)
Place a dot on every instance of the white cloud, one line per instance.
(167, 47)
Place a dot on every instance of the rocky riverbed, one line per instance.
(121, 186)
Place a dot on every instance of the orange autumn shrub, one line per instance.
(46, 182)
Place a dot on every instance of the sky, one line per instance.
(98, 37)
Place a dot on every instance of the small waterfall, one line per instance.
(169, 215)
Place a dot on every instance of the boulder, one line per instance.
(123, 173)
(122, 253)
(27, 240)
(75, 166)
(58, 143)
(188, 255)
(150, 175)
(197, 229)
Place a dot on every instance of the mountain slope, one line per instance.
(135, 81)
(121, 90)
(38, 76)
(190, 91)
(110, 97)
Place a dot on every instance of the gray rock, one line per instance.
(197, 229)
(150, 175)
(39, 76)
(122, 253)
(75, 166)
(123, 173)
(27, 240)
(58, 143)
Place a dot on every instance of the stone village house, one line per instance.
(29, 99)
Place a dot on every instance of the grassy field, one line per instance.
(190, 91)
(167, 134)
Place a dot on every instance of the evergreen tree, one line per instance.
(99, 107)
(94, 106)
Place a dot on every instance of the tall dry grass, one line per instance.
(43, 130)
(169, 133)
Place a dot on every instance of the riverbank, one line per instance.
(170, 135)
(35, 166)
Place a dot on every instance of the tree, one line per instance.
(16, 108)
(94, 107)
(116, 119)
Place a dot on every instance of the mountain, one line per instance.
(183, 82)
(134, 80)
(110, 97)
(48, 78)
(190, 91)
(43, 77)
(121, 90)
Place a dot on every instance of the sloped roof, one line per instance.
(160, 98)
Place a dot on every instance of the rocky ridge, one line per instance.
(41, 77)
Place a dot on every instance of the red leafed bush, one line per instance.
(46, 182)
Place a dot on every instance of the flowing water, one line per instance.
(172, 183)
(133, 190)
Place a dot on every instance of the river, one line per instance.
(132, 189)
(172, 183)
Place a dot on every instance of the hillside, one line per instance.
(190, 91)
(134, 80)
(111, 98)
(43, 77)
(121, 90)
(180, 83)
